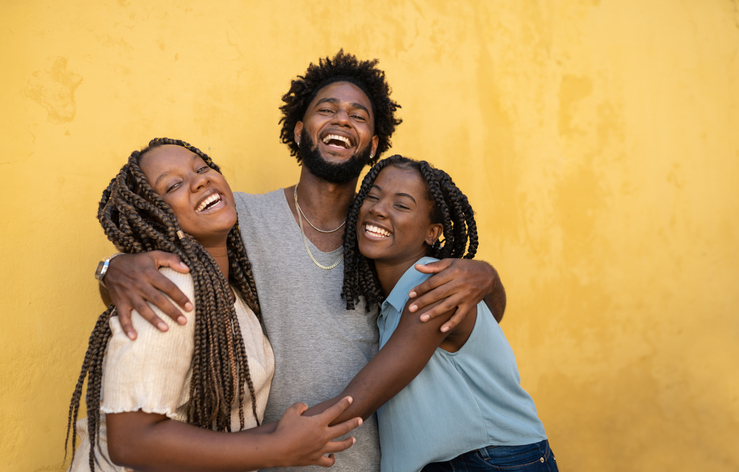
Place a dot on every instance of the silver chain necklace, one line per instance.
(305, 239)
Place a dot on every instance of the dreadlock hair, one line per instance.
(341, 68)
(136, 219)
(450, 208)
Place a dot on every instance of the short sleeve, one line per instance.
(152, 373)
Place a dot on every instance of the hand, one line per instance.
(134, 279)
(458, 284)
(308, 439)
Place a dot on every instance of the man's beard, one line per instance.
(335, 173)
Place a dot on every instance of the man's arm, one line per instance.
(458, 285)
(132, 280)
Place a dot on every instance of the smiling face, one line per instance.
(199, 196)
(340, 126)
(394, 224)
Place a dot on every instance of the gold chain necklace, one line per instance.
(305, 239)
(300, 210)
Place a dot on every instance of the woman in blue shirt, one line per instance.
(445, 400)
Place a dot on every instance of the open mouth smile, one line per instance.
(209, 202)
(336, 140)
(376, 231)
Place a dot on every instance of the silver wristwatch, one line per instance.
(102, 268)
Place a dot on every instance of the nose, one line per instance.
(341, 117)
(378, 209)
(198, 181)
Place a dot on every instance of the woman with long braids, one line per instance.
(192, 399)
(445, 401)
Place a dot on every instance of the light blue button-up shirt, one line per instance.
(460, 401)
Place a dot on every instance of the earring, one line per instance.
(372, 155)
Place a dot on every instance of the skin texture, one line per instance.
(394, 229)
(146, 441)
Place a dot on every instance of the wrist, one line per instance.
(102, 268)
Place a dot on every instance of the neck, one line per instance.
(220, 254)
(388, 273)
(325, 203)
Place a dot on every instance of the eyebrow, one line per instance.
(336, 101)
(398, 194)
(166, 173)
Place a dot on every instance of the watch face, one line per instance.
(99, 270)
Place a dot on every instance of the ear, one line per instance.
(435, 231)
(298, 131)
(375, 142)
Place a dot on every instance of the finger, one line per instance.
(167, 259)
(163, 285)
(299, 407)
(326, 461)
(444, 308)
(431, 283)
(336, 409)
(338, 446)
(341, 429)
(124, 317)
(433, 267)
(149, 315)
(456, 318)
(439, 293)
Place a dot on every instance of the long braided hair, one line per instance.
(136, 219)
(451, 209)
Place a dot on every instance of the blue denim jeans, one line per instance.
(530, 458)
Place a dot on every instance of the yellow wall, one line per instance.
(598, 141)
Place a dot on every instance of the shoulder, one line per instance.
(256, 198)
(412, 277)
(183, 281)
(399, 294)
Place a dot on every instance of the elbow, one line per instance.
(119, 452)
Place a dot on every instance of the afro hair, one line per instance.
(341, 68)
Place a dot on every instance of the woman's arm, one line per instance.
(151, 442)
(399, 361)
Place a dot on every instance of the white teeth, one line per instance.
(215, 198)
(337, 138)
(376, 231)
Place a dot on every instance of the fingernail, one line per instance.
(360, 422)
(412, 294)
(425, 318)
(444, 329)
(182, 320)
(412, 308)
(188, 306)
(184, 266)
(131, 336)
(162, 326)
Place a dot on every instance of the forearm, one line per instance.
(496, 299)
(395, 366)
(168, 445)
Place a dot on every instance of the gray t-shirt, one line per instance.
(319, 345)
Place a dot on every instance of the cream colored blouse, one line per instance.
(152, 373)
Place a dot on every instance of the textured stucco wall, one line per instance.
(597, 140)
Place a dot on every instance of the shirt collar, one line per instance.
(399, 294)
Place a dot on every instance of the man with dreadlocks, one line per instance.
(336, 119)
